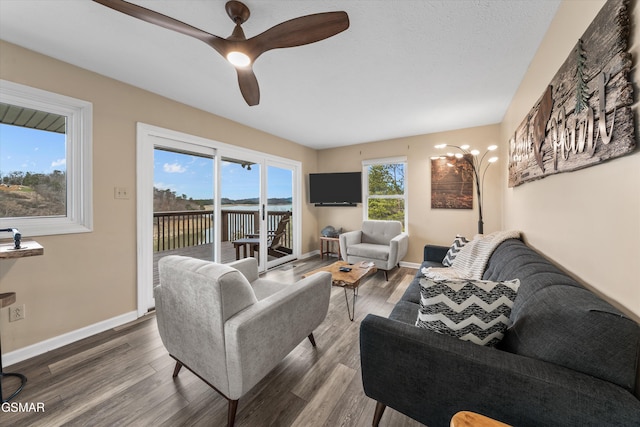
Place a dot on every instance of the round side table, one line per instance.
(6, 299)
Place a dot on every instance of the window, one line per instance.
(45, 161)
(385, 189)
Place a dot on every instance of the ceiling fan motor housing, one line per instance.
(237, 11)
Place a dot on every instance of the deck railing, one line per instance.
(174, 230)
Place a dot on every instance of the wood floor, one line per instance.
(122, 377)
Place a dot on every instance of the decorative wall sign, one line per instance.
(451, 183)
(584, 116)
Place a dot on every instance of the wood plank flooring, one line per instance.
(122, 377)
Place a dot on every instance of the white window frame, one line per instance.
(79, 145)
(365, 186)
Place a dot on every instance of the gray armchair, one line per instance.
(230, 327)
(380, 242)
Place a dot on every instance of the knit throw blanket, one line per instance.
(472, 259)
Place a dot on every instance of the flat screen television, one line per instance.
(335, 189)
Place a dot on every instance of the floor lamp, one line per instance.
(479, 169)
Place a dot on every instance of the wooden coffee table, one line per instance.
(347, 280)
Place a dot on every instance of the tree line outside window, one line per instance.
(385, 190)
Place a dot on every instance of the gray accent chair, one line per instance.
(230, 327)
(380, 242)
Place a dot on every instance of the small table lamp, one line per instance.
(16, 236)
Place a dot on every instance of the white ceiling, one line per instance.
(404, 67)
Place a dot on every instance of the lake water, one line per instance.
(276, 208)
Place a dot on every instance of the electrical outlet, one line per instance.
(16, 313)
(121, 193)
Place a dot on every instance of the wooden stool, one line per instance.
(6, 299)
(471, 419)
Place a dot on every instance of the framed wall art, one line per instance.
(451, 183)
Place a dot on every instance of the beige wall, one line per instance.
(588, 221)
(86, 278)
(426, 225)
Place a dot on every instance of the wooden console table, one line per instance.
(8, 251)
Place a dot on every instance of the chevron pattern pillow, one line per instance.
(458, 243)
(471, 310)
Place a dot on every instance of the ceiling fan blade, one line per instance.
(249, 85)
(153, 17)
(298, 32)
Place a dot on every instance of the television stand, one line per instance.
(321, 205)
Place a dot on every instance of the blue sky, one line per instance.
(193, 176)
(183, 173)
(30, 150)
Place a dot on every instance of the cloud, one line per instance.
(59, 162)
(163, 186)
(173, 168)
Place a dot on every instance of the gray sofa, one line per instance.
(569, 358)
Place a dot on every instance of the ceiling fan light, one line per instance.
(238, 59)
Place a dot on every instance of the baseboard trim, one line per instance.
(42, 347)
(410, 264)
(310, 254)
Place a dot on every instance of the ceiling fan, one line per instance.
(237, 49)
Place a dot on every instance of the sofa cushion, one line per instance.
(471, 310)
(369, 250)
(557, 320)
(572, 327)
(457, 244)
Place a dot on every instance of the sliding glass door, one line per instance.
(280, 213)
(204, 199)
(182, 203)
(240, 208)
(175, 195)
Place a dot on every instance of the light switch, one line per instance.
(121, 193)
